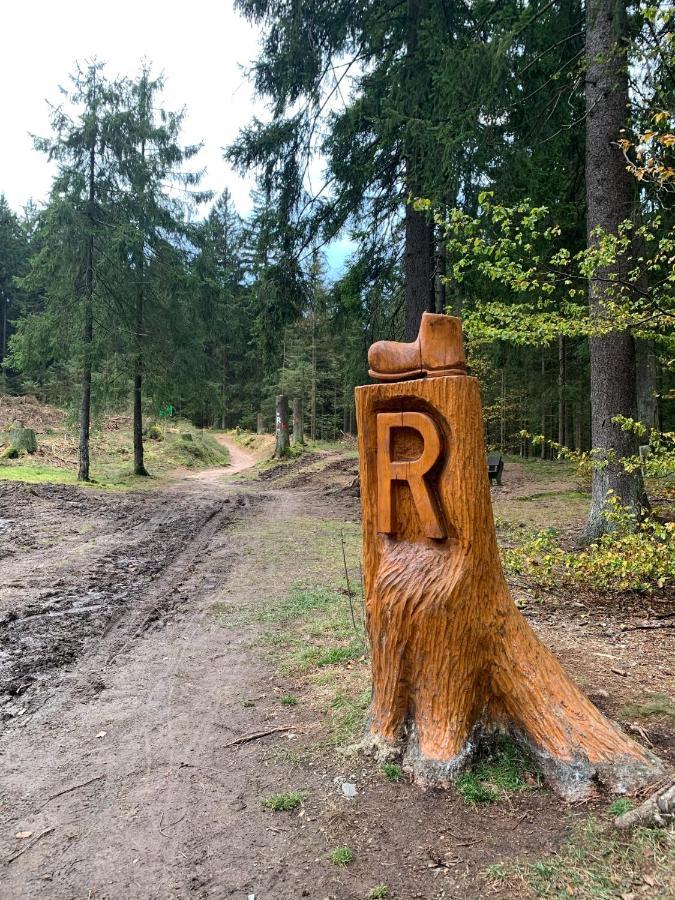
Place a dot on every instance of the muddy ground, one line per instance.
(124, 693)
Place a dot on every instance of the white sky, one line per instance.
(199, 45)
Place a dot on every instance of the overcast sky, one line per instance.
(200, 45)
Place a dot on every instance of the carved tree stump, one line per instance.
(453, 660)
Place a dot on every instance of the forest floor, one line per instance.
(178, 662)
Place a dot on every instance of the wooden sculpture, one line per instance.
(453, 660)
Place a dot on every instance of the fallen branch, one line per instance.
(646, 627)
(11, 859)
(656, 812)
(258, 734)
(73, 787)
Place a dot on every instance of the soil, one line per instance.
(123, 699)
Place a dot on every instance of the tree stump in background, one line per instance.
(453, 660)
(298, 427)
(281, 427)
(23, 438)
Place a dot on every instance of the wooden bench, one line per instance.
(495, 464)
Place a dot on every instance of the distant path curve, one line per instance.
(240, 459)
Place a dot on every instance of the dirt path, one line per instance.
(240, 460)
(133, 657)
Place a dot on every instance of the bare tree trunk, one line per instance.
(282, 441)
(609, 202)
(3, 343)
(561, 390)
(88, 327)
(439, 283)
(139, 464)
(312, 417)
(419, 270)
(259, 424)
(419, 230)
(543, 407)
(647, 396)
(298, 428)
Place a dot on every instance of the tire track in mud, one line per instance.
(109, 588)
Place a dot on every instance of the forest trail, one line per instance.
(240, 460)
(146, 661)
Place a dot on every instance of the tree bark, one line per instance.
(259, 424)
(610, 197)
(419, 269)
(298, 426)
(88, 327)
(282, 441)
(139, 465)
(419, 230)
(647, 396)
(562, 436)
(453, 660)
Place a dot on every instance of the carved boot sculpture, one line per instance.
(453, 660)
(437, 351)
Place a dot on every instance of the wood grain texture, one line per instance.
(452, 657)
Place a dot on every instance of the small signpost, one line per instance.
(453, 659)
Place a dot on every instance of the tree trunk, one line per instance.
(259, 424)
(453, 660)
(419, 269)
(647, 396)
(312, 399)
(610, 198)
(139, 466)
(561, 390)
(419, 230)
(281, 430)
(88, 327)
(298, 429)
(3, 343)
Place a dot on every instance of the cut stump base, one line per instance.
(453, 659)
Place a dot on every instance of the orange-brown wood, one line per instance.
(412, 471)
(453, 659)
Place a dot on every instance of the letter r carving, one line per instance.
(411, 470)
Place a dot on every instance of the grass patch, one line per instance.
(392, 771)
(620, 806)
(657, 705)
(284, 802)
(348, 710)
(182, 445)
(341, 856)
(289, 700)
(596, 863)
(379, 892)
(473, 791)
(505, 768)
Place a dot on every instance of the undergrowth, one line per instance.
(596, 863)
(635, 556)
